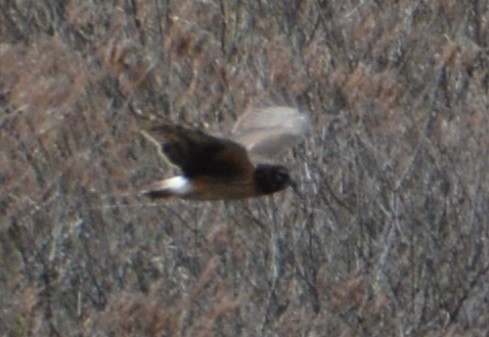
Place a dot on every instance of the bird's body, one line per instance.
(204, 188)
(216, 168)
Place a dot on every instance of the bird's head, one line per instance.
(271, 178)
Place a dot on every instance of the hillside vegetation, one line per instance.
(388, 234)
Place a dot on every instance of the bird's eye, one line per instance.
(282, 175)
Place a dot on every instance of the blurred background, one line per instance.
(389, 235)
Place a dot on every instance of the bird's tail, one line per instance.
(176, 186)
(156, 194)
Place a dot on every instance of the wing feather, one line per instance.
(198, 153)
(268, 132)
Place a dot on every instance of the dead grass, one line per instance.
(389, 237)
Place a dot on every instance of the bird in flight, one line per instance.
(238, 167)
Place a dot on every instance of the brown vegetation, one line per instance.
(388, 237)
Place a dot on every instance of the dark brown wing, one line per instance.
(198, 153)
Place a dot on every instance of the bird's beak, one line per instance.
(295, 187)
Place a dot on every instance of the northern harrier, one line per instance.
(218, 168)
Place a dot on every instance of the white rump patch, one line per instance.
(178, 185)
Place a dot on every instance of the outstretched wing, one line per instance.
(198, 153)
(268, 132)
